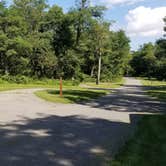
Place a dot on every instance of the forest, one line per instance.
(150, 60)
(37, 40)
(42, 41)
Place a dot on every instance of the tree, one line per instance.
(99, 41)
(81, 15)
(42, 41)
(120, 50)
(32, 12)
(160, 53)
(144, 60)
(165, 24)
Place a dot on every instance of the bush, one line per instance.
(20, 79)
(87, 78)
(16, 79)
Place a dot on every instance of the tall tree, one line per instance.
(32, 11)
(99, 42)
(165, 24)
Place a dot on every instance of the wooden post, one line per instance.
(61, 92)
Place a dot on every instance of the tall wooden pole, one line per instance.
(61, 91)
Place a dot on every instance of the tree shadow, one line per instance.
(78, 96)
(62, 141)
(130, 98)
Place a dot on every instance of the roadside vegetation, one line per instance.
(84, 92)
(73, 91)
(150, 60)
(147, 147)
(105, 85)
(78, 95)
(155, 88)
(22, 82)
(42, 41)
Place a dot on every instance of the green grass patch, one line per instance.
(105, 85)
(156, 88)
(8, 82)
(7, 86)
(70, 96)
(51, 83)
(45, 83)
(148, 146)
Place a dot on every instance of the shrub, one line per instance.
(18, 79)
(87, 78)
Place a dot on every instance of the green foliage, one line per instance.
(156, 88)
(37, 40)
(165, 24)
(16, 79)
(148, 146)
(23, 80)
(150, 60)
(87, 78)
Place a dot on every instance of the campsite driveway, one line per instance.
(38, 133)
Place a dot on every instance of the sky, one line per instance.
(142, 20)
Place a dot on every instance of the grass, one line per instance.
(78, 94)
(156, 88)
(148, 146)
(72, 92)
(70, 96)
(105, 84)
(5, 87)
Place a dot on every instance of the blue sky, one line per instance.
(141, 19)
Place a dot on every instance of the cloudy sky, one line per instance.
(141, 19)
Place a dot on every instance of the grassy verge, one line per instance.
(72, 92)
(5, 87)
(70, 96)
(78, 94)
(105, 84)
(148, 146)
(156, 88)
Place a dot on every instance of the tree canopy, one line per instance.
(37, 40)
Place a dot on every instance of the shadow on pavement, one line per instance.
(129, 98)
(62, 141)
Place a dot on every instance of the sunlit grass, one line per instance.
(147, 147)
(75, 95)
(78, 94)
(156, 88)
(105, 84)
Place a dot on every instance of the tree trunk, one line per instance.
(99, 70)
(92, 71)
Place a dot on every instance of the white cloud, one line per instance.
(146, 21)
(110, 3)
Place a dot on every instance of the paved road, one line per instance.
(38, 133)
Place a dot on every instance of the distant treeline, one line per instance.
(150, 60)
(37, 40)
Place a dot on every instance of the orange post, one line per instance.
(61, 93)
